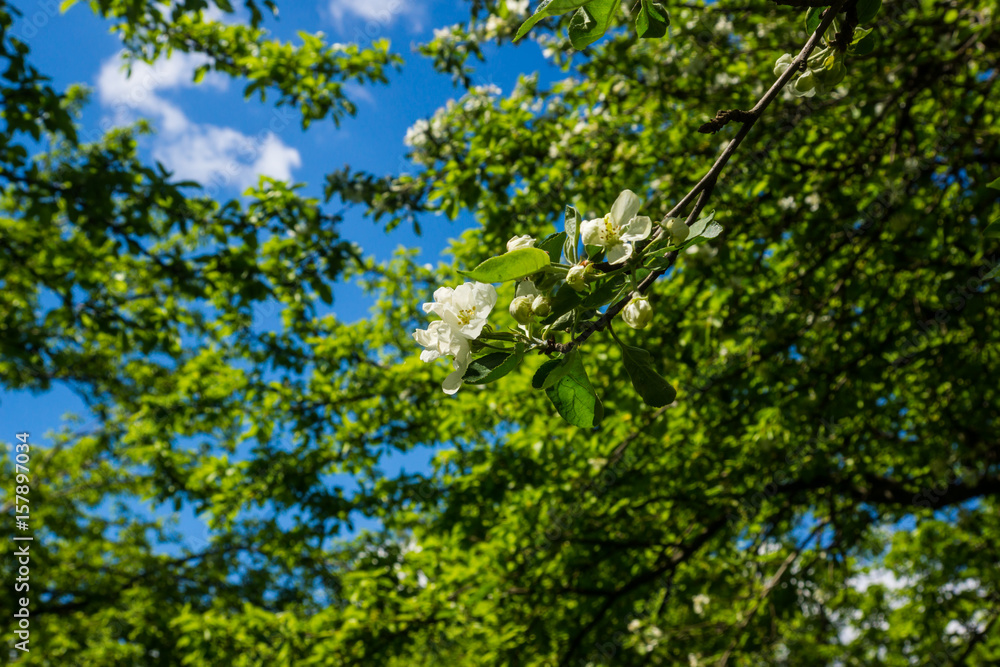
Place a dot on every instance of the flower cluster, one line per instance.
(824, 70)
(562, 282)
(463, 312)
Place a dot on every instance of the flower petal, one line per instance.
(619, 253)
(637, 229)
(592, 232)
(453, 382)
(526, 288)
(625, 207)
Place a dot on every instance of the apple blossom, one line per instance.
(465, 307)
(784, 62)
(616, 231)
(541, 306)
(463, 312)
(518, 242)
(678, 230)
(441, 339)
(520, 309)
(637, 312)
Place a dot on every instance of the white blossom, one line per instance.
(784, 62)
(518, 242)
(637, 312)
(787, 203)
(616, 231)
(463, 312)
(699, 602)
(517, 7)
(416, 135)
(465, 307)
(441, 339)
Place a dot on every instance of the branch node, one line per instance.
(724, 117)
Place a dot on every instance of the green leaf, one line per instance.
(713, 230)
(700, 225)
(995, 184)
(574, 397)
(866, 44)
(493, 366)
(543, 372)
(604, 291)
(652, 389)
(566, 299)
(512, 265)
(867, 9)
(652, 21)
(573, 221)
(553, 244)
(814, 18)
(992, 230)
(591, 21)
(546, 9)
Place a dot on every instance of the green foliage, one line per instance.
(823, 489)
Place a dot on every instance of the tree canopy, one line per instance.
(821, 489)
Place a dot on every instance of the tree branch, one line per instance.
(707, 183)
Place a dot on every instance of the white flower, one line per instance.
(463, 312)
(465, 308)
(699, 602)
(577, 277)
(493, 25)
(637, 312)
(517, 7)
(518, 242)
(814, 201)
(416, 136)
(441, 339)
(784, 62)
(520, 309)
(616, 230)
(787, 203)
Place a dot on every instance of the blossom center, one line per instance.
(465, 316)
(611, 231)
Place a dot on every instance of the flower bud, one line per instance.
(638, 313)
(541, 306)
(805, 85)
(577, 277)
(784, 62)
(518, 242)
(678, 230)
(520, 309)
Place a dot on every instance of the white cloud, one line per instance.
(210, 154)
(381, 13)
(358, 92)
